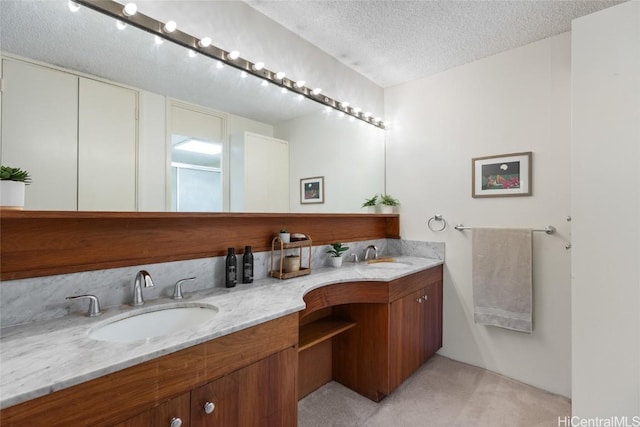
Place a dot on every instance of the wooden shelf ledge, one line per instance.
(315, 332)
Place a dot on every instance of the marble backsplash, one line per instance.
(43, 298)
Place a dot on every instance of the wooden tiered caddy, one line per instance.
(278, 245)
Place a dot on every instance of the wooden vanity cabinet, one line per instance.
(250, 376)
(398, 326)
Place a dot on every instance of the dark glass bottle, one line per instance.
(247, 265)
(231, 276)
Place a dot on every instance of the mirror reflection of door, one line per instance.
(197, 152)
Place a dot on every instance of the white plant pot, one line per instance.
(335, 261)
(385, 209)
(12, 194)
(285, 237)
(371, 209)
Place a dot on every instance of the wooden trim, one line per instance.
(321, 330)
(139, 387)
(43, 243)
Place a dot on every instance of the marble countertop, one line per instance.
(42, 357)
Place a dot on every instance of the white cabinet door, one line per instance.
(39, 132)
(259, 174)
(107, 138)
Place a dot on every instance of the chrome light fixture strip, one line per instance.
(155, 27)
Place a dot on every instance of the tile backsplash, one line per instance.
(42, 298)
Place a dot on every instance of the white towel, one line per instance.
(502, 280)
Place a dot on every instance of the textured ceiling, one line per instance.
(392, 41)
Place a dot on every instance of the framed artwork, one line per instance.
(312, 190)
(504, 175)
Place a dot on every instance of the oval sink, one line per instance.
(154, 323)
(388, 265)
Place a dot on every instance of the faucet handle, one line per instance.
(177, 290)
(354, 257)
(94, 304)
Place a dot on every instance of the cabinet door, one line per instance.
(107, 140)
(40, 132)
(163, 414)
(407, 336)
(432, 297)
(266, 168)
(262, 394)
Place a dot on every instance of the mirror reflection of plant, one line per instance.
(8, 173)
(337, 249)
(387, 200)
(370, 202)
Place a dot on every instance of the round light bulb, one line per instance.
(121, 25)
(345, 105)
(367, 114)
(233, 55)
(258, 66)
(356, 110)
(73, 6)
(280, 75)
(299, 83)
(205, 42)
(170, 27)
(316, 91)
(130, 9)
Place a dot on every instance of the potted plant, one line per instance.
(12, 184)
(285, 236)
(387, 203)
(371, 203)
(336, 254)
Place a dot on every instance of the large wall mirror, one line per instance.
(348, 155)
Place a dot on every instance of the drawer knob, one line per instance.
(419, 300)
(175, 422)
(426, 297)
(209, 407)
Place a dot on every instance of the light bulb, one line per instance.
(73, 6)
(367, 114)
(121, 25)
(345, 105)
(159, 40)
(280, 75)
(170, 27)
(233, 55)
(258, 66)
(130, 9)
(356, 110)
(299, 83)
(205, 42)
(316, 91)
(377, 120)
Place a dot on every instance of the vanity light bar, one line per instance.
(157, 28)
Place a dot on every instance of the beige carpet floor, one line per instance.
(442, 392)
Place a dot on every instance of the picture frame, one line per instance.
(503, 175)
(312, 190)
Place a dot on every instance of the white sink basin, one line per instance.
(388, 265)
(163, 321)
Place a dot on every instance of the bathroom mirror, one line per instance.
(88, 42)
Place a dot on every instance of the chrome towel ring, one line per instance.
(435, 219)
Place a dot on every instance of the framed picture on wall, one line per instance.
(504, 175)
(312, 190)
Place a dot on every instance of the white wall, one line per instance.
(349, 154)
(606, 204)
(515, 101)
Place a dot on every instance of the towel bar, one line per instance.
(549, 229)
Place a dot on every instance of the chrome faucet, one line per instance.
(145, 277)
(177, 289)
(366, 252)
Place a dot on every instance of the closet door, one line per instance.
(107, 140)
(39, 132)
